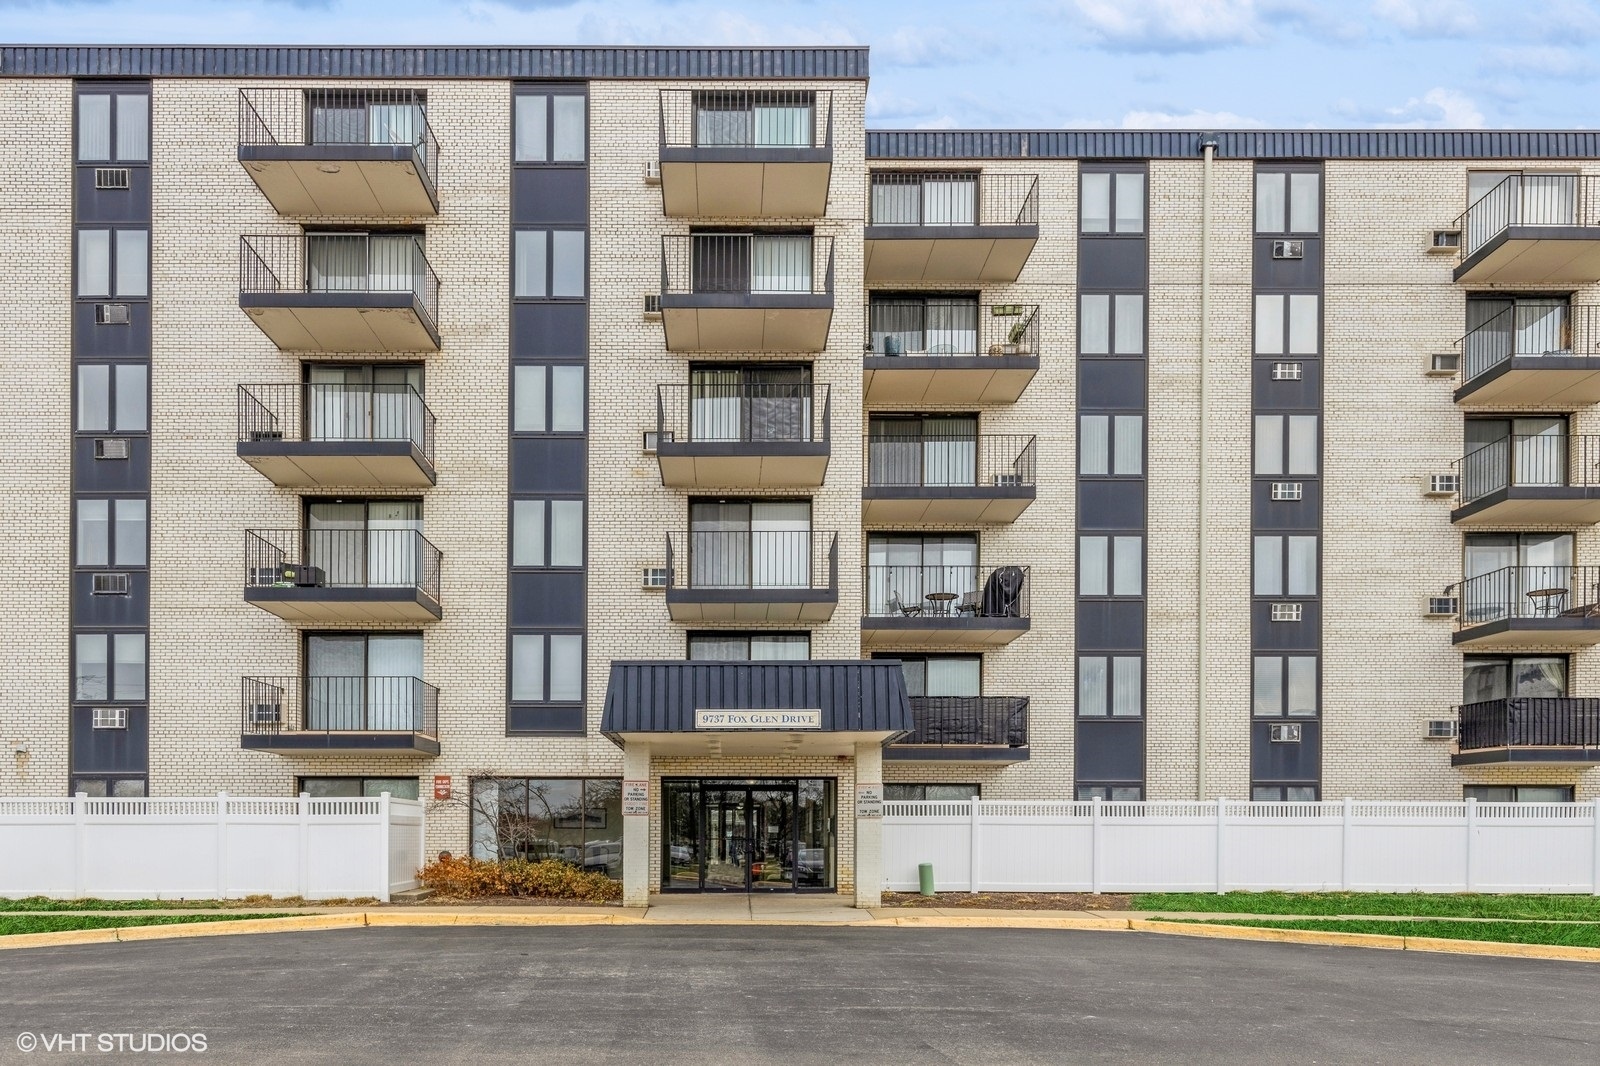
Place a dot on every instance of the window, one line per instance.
(1110, 685)
(357, 787)
(1112, 203)
(1286, 444)
(1111, 566)
(546, 667)
(767, 119)
(1285, 685)
(948, 793)
(1288, 202)
(1111, 445)
(749, 647)
(945, 198)
(1117, 793)
(548, 398)
(112, 532)
(914, 324)
(367, 681)
(936, 450)
(765, 402)
(114, 262)
(1111, 324)
(107, 119)
(1283, 794)
(1286, 566)
(108, 666)
(573, 820)
(940, 675)
(1501, 569)
(1518, 793)
(113, 399)
(1293, 316)
(1485, 678)
(904, 569)
(548, 264)
(105, 785)
(546, 532)
(550, 128)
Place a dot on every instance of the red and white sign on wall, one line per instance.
(441, 786)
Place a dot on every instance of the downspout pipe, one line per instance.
(1208, 148)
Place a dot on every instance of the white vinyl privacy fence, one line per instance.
(1215, 846)
(210, 847)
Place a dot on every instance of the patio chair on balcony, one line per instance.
(897, 607)
(968, 605)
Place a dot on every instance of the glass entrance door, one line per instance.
(758, 836)
(727, 817)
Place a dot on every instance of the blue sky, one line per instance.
(1003, 63)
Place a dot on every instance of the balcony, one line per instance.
(351, 153)
(1533, 229)
(933, 605)
(969, 729)
(949, 357)
(373, 716)
(317, 435)
(1530, 480)
(741, 153)
(742, 435)
(752, 576)
(1522, 606)
(746, 292)
(950, 226)
(1529, 731)
(948, 479)
(340, 292)
(343, 575)
(1543, 354)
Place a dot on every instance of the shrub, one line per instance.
(547, 879)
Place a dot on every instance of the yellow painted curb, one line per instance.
(64, 937)
(1558, 952)
(1282, 936)
(297, 923)
(991, 921)
(410, 918)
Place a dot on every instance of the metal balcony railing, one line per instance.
(339, 263)
(341, 559)
(1533, 327)
(1519, 592)
(1530, 200)
(753, 559)
(923, 326)
(953, 198)
(911, 459)
(998, 721)
(747, 264)
(1531, 721)
(740, 413)
(335, 412)
(936, 590)
(277, 705)
(746, 118)
(340, 116)
(1529, 461)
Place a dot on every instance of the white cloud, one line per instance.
(926, 46)
(1437, 108)
(1169, 25)
(1428, 18)
(1189, 120)
(1539, 61)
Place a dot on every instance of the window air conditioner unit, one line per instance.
(1443, 485)
(652, 172)
(1443, 365)
(110, 448)
(1441, 607)
(112, 584)
(652, 307)
(655, 577)
(111, 314)
(1287, 491)
(1285, 371)
(1444, 241)
(1286, 733)
(266, 715)
(1441, 729)
(1288, 249)
(111, 177)
(110, 718)
(1286, 612)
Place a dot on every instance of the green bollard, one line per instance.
(925, 878)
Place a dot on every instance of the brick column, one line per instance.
(636, 829)
(869, 831)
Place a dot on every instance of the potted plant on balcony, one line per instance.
(1014, 343)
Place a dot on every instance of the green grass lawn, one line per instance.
(40, 903)
(11, 924)
(1387, 904)
(1565, 934)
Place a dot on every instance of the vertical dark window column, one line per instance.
(548, 551)
(1113, 360)
(108, 706)
(1286, 485)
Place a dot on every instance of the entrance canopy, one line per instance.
(805, 707)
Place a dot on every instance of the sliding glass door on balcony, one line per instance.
(1497, 199)
(750, 404)
(364, 262)
(902, 572)
(365, 544)
(935, 325)
(364, 402)
(364, 681)
(1504, 452)
(1518, 575)
(1498, 329)
(740, 119)
(759, 544)
(368, 117)
(936, 450)
(1534, 676)
(744, 263)
(924, 199)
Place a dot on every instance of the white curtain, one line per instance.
(949, 451)
(783, 126)
(715, 411)
(896, 203)
(338, 404)
(394, 528)
(394, 665)
(780, 544)
(950, 201)
(1541, 327)
(780, 263)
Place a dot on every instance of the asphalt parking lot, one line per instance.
(688, 994)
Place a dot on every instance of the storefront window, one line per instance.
(572, 820)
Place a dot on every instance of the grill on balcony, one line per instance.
(937, 604)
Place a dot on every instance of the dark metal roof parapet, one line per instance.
(1233, 144)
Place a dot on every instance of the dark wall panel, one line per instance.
(1110, 749)
(1111, 505)
(1111, 384)
(110, 750)
(1282, 761)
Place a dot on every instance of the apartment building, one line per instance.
(632, 454)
